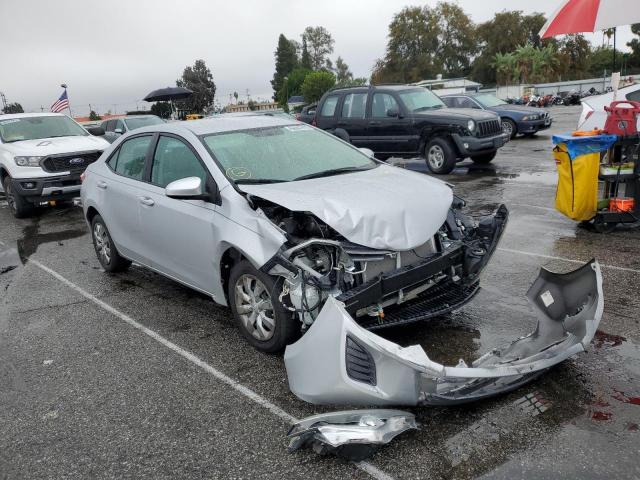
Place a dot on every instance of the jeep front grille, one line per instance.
(69, 162)
(489, 128)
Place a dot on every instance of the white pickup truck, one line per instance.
(42, 156)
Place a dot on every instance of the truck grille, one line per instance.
(74, 162)
(489, 128)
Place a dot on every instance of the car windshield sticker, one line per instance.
(11, 120)
(238, 173)
(298, 128)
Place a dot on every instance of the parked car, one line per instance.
(593, 114)
(272, 217)
(407, 121)
(515, 119)
(42, 156)
(118, 126)
(307, 114)
(278, 112)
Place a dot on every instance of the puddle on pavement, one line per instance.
(31, 238)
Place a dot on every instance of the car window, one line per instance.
(464, 102)
(108, 125)
(174, 160)
(354, 105)
(131, 156)
(329, 106)
(139, 122)
(633, 96)
(449, 101)
(120, 125)
(382, 102)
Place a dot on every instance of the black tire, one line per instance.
(510, 127)
(440, 156)
(484, 158)
(18, 205)
(281, 330)
(107, 253)
(601, 226)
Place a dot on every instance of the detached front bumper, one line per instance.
(339, 362)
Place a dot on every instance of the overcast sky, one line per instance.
(111, 54)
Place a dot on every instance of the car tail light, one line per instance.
(83, 175)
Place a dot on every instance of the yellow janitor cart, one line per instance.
(578, 163)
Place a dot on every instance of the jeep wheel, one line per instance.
(106, 251)
(440, 156)
(509, 127)
(19, 206)
(262, 319)
(485, 158)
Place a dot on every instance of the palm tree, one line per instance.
(235, 95)
(505, 65)
(526, 58)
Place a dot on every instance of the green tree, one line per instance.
(319, 44)
(252, 104)
(305, 57)
(505, 67)
(316, 84)
(601, 59)
(634, 58)
(161, 109)
(94, 116)
(286, 60)
(456, 44)
(343, 74)
(13, 108)
(575, 50)
(199, 80)
(235, 95)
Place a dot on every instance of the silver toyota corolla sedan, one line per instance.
(302, 234)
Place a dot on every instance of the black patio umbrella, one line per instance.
(168, 94)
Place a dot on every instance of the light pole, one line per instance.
(64, 85)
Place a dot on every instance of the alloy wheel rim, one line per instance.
(254, 307)
(103, 244)
(507, 128)
(436, 156)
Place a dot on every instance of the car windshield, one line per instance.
(488, 100)
(139, 122)
(33, 128)
(283, 154)
(420, 99)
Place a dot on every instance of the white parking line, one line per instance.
(246, 391)
(571, 260)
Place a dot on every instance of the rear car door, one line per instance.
(389, 128)
(178, 233)
(353, 118)
(121, 191)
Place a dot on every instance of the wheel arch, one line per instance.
(229, 258)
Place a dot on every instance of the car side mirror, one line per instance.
(118, 130)
(96, 131)
(393, 112)
(367, 151)
(189, 188)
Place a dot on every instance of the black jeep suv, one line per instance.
(407, 121)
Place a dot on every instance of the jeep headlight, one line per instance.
(471, 125)
(27, 161)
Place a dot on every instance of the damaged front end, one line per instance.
(339, 362)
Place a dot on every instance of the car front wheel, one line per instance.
(509, 127)
(19, 206)
(440, 156)
(262, 319)
(106, 251)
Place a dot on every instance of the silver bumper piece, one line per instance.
(352, 434)
(339, 362)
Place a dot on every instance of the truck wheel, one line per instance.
(509, 127)
(484, 158)
(19, 206)
(440, 156)
(262, 319)
(106, 250)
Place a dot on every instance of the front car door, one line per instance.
(121, 191)
(179, 233)
(390, 129)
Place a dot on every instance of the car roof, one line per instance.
(219, 124)
(6, 116)
(393, 87)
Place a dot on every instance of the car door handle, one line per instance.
(374, 123)
(147, 201)
(102, 185)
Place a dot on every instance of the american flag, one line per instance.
(61, 103)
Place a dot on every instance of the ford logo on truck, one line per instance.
(76, 161)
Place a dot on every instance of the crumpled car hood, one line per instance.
(385, 208)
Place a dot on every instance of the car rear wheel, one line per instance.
(19, 206)
(106, 251)
(509, 127)
(262, 319)
(485, 158)
(440, 156)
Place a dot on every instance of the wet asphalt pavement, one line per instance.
(84, 393)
